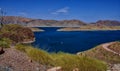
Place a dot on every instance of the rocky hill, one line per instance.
(40, 22)
(108, 23)
(55, 23)
(15, 20)
(17, 33)
(108, 52)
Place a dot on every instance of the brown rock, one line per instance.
(30, 60)
(1, 50)
(76, 69)
(55, 69)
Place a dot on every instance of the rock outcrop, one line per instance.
(1, 50)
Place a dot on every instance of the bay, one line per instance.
(72, 42)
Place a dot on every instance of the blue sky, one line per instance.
(84, 10)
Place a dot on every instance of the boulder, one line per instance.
(30, 60)
(1, 50)
(76, 69)
(55, 69)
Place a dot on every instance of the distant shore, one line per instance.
(28, 42)
(81, 28)
(34, 29)
(91, 28)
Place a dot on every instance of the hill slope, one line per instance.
(108, 23)
(15, 60)
(43, 23)
(55, 23)
(105, 52)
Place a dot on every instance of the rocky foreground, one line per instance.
(108, 52)
(14, 60)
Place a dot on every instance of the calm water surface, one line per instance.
(72, 42)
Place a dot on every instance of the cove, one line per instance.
(72, 42)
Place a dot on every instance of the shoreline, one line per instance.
(84, 30)
(35, 29)
(90, 28)
(28, 42)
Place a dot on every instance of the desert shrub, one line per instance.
(5, 42)
(36, 54)
(16, 33)
(71, 61)
(67, 61)
(21, 47)
(40, 56)
(102, 54)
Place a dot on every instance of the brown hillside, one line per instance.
(108, 23)
(115, 47)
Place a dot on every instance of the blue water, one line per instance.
(72, 42)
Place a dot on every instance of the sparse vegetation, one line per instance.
(68, 62)
(39, 56)
(34, 29)
(100, 53)
(16, 33)
(82, 63)
(35, 54)
(115, 47)
(5, 42)
(21, 47)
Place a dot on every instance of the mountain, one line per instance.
(108, 23)
(40, 22)
(15, 20)
(55, 23)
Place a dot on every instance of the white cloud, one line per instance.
(62, 10)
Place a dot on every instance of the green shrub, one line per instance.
(5, 43)
(21, 47)
(68, 62)
(35, 54)
(16, 33)
(39, 56)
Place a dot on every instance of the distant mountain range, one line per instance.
(54, 23)
(108, 23)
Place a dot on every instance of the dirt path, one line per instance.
(18, 61)
(105, 46)
(113, 67)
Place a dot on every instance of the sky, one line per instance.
(84, 10)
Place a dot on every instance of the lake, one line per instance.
(72, 42)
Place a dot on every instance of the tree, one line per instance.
(2, 14)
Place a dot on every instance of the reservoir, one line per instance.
(72, 42)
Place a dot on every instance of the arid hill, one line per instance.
(55, 23)
(17, 33)
(108, 52)
(43, 23)
(15, 20)
(108, 23)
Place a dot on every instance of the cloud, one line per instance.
(22, 13)
(61, 11)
